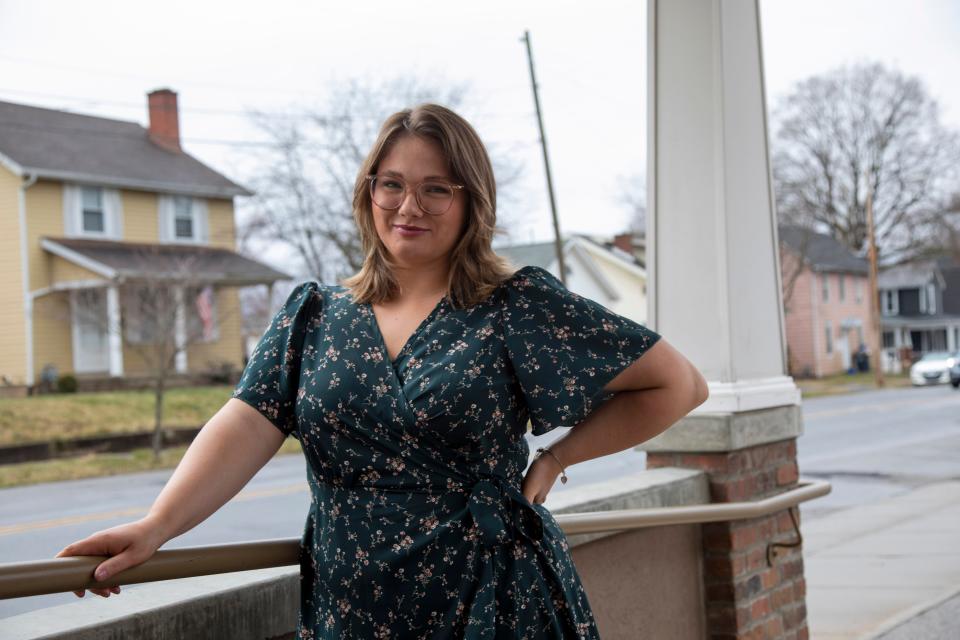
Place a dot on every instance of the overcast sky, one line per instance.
(101, 58)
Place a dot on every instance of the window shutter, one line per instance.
(113, 214)
(201, 221)
(165, 215)
(71, 210)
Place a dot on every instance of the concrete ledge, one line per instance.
(247, 604)
(716, 432)
(263, 603)
(664, 487)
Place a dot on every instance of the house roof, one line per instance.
(537, 254)
(115, 259)
(908, 275)
(60, 145)
(821, 252)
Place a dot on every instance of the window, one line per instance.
(859, 337)
(888, 302)
(829, 335)
(92, 210)
(183, 217)
(150, 310)
(825, 283)
(858, 291)
(841, 288)
(888, 339)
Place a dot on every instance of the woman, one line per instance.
(410, 388)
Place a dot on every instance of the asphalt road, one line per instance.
(870, 445)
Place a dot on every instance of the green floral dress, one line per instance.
(417, 527)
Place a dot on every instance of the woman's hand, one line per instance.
(127, 545)
(540, 478)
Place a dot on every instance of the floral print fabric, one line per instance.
(417, 527)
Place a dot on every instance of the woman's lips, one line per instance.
(409, 231)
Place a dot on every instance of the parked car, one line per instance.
(955, 374)
(934, 368)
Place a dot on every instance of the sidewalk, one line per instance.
(883, 570)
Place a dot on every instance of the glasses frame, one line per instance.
(416, 192)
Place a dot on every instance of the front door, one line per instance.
(91, 348)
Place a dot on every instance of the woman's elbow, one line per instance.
(701, 391)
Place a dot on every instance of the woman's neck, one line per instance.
(422, 281)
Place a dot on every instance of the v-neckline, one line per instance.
(383, 343)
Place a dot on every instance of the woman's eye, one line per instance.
(390, 184)
(437, 189)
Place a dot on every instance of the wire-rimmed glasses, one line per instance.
(433, 196)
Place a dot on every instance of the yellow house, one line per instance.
(92, 209)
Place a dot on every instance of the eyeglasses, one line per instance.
(433, 196)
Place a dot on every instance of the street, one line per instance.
(870, 445)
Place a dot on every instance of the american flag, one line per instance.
(205, 311)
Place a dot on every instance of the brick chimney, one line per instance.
(624, 242)
(164, 119)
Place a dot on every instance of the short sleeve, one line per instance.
(271, 379)
(565, 348)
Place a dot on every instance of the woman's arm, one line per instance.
(653, 393)
(229, 450)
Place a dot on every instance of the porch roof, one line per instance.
(139, 261)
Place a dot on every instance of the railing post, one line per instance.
(751, 589)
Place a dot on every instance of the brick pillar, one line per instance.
(744, 597)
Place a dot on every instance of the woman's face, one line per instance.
(413, 237)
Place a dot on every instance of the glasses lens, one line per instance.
(386, 191)
(435, 197)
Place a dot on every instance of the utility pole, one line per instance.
(558, 243)
(874, 292)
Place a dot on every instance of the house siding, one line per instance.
(51, 316)
(799, 320)
(13, 354)
(807, 316)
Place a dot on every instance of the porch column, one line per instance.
(180, 331)
(715, 292)
(114, 338)
(951, 339)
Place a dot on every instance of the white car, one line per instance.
(933, 368)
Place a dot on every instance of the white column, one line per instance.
(180, 331)
(715, 288)
(113, 334)
(951, 339)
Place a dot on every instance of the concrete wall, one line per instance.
(642, 585)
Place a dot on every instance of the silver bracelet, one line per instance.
(563, 472)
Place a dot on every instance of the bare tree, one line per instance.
(305, 190)
(837, 130)
(167, 305)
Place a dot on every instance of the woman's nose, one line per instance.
(409, 205)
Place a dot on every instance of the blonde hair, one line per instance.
(475, 269)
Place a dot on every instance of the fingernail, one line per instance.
(100, 574)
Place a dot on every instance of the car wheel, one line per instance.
(955, 384)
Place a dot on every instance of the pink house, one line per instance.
(826, 303)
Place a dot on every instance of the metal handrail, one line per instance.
(58, 575)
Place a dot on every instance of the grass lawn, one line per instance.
(72, 415)
(101, 464)
(846, 383)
